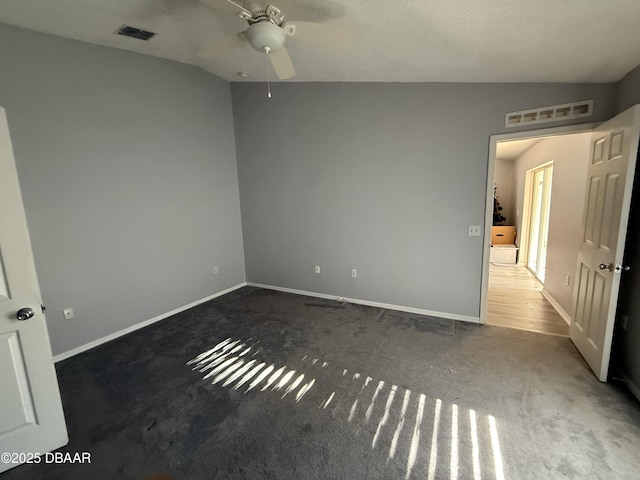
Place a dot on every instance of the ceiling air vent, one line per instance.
(553, 113)
(134, 32)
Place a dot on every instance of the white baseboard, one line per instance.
(137, 326)
(563, 313)
(418, 311)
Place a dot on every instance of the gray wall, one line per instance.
(628, 90)
(570, 157)
(128, 172)
(384, 178)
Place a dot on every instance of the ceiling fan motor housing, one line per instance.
(265, 36)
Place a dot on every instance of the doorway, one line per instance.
(516, 296)
(538, 190)
(535, 290)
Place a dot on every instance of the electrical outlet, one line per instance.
(474, 230)
(317, 268)
(215, 269)
(68, 313)
(354, 273)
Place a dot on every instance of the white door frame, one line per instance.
(523, 246)
(488, 209)
(528, 217)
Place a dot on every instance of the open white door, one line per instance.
(31, 417)
(614, 149)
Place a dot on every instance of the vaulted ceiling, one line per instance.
(392, 41)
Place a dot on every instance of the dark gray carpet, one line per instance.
(384, 395)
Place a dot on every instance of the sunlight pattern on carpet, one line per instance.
(456, 434)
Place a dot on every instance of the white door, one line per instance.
(614, 148)
(31, 417)
(539, 220)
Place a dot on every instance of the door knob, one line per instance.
(606, 266)
(25, 313)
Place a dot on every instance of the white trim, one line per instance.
(418, 311)
(523, 234)
(137, 326)
(561, 311)
(524, 238)
(488, 212)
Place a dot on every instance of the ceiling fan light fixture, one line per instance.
(265, 35)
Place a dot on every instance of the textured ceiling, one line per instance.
(394, 41)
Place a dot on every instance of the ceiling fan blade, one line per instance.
(281, 63)
(223, 46)
(219, 4)
(324, 34)
(239, 6)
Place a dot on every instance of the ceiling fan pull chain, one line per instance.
(267, 50)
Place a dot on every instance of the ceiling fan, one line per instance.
(267, 33)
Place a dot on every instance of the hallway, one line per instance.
(515, 301)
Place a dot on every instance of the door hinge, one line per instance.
(42, 307)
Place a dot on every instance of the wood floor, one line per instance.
(515, 301)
